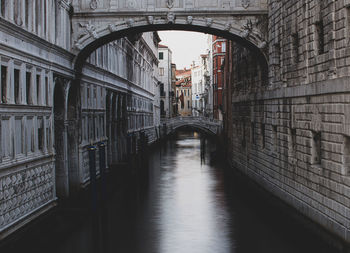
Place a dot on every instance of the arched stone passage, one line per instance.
(244, 34)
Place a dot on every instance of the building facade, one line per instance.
(218, 57)
(288, 126)
(184, 92)
(48, 120)
(166, 81)
(200, 86)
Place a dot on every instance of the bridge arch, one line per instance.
(195, 127)
(89, 37)
(210, 126)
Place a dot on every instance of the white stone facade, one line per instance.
(47, 120)
(200, 86)
(165, 77)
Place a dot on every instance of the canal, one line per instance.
(182, 199)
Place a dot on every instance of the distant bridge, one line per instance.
(205, 124)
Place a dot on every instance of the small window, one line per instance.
(38, 89)
(3, 7)
(16, 85)
(262, 130)
(223, 49)
(48, 135)
(40, 134)
(320, 37)
(46, 90)
(161, 71)
(28, 87)
(3, 84)
(161, 55)
(295, 51)
(293, 142)
(275, 137)
(346, 156)
(316, 148)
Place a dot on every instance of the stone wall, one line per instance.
(291, 135)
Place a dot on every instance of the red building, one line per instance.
(219, 51)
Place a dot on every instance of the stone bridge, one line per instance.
(205, 124)
(98, 22)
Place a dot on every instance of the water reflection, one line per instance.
(181, 199)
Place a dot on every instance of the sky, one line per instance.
(186, 46)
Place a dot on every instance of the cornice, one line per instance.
(22, 34)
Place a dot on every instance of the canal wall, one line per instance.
(290, 133)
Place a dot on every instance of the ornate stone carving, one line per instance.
(245, 3)
(247, 29)
(209, 21)
(132, 4)
(89, 29)
(189, 20)
(262, 45)
(150, 20)
(23, 192)
(170, 3)
(93, 4)
(130, 22)
(112, 27)
(171, 18)
(228, 26)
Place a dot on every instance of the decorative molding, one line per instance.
(130, 22)
(209, 22)
(189, 20)
(245, 3)
(150, 20)
(171, 18)
(24, 191)
(170, 4)
(93, 4)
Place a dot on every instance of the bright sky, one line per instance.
(186, 46)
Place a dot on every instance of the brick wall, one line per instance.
(292, 134)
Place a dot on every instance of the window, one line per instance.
(48, 134)
(28, 87)
(316, 148)
(46, 90)
(275, 138)
(3, 83)
(38, 89)
(188, 104)
(16, 85)
(295, 44)
(27, 9)
(262, 135)
(319, 37)
(40, 134)
(161, 55)
(292, 143)
(30, 134)
(161, 71)
(252, 133)
(346, 156)
(3, 7)
(18, 136)
(223, 49)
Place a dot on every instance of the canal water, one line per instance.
(182, 199)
